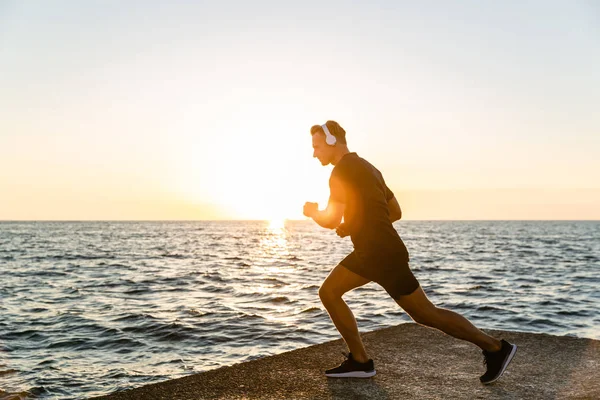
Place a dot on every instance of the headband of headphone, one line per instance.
(329, 138)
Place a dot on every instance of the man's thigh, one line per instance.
(341, 280)
(417, 304)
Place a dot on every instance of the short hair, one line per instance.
(334, 128)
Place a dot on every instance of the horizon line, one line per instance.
(287, 220)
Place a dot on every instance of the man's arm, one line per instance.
(331, 217)
(395, 211)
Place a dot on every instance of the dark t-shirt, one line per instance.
(366, 213)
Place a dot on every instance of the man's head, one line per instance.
(325, 152)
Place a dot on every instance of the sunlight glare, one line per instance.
(277, 178)
(276, 224)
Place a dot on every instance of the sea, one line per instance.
(91, 308)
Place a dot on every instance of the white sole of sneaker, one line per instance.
(353, 374)
(508, 360)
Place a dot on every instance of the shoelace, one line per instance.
(347, 356)
(485, 357)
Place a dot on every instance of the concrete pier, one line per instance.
(412, 362)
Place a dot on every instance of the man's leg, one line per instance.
(423, 312)
(340, 281)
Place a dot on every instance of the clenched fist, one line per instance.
(342, 230)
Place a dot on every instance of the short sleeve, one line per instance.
(388, 193)
(336, 189)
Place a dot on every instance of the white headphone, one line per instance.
(329, 138)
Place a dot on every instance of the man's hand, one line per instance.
(310, 209)
(342, 230)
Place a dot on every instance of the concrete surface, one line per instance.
(412, 362)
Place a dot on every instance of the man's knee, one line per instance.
(328, 294)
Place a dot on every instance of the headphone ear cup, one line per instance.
(329, 138)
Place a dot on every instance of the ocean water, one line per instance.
(89, 308)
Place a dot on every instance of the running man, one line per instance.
(358, 193)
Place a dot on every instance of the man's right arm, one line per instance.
(395, 211)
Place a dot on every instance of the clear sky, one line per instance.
(202, 110)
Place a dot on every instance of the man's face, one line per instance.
(321, 150)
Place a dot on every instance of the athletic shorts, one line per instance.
(391, 271)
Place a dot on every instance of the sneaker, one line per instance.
(351, 368)
(497, 362)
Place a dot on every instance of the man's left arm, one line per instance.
(393, 206)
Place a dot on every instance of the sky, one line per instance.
(147, 110)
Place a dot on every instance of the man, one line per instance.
(358, 193)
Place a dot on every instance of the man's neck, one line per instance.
(343, 150)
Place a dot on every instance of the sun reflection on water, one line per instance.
(276, 224)
(274, 241)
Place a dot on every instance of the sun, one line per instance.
(276, 223)
(267, 175)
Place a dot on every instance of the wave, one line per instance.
(173, 255)
(7, 371)
(281, 299)
(69, 257)
(311, 310)
(24, 395)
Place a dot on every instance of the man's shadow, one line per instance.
(356, 388)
